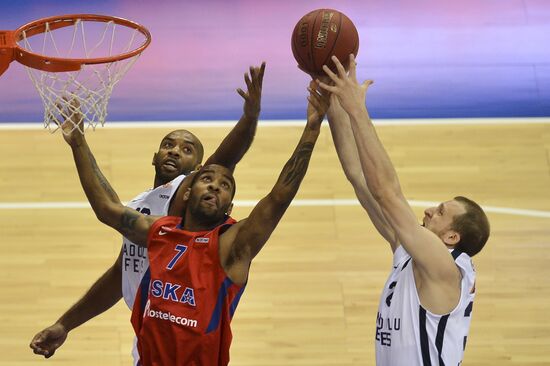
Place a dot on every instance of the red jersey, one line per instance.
(183, 308)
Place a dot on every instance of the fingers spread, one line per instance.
(326, 87)
(257, 74)
(75, 103)
(261, 74)
(339, 67)
(352, 67)
(242, 93)
(247, 81)
(330, 74)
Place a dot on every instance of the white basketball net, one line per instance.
(89, 88)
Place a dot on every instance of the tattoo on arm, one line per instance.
(296, 167)
(128, 221)
(101, 178)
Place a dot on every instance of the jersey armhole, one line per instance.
(399, 255)
(153, 229)
(222, 229)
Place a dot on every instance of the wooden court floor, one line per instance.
(313, 290)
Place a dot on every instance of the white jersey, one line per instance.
(409, 335)
(134, 258)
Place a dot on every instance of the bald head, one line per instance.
(191, 138)
(180, 152)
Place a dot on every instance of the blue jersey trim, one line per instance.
(235, 302)
(216, 316)
(180, 225)
(440, 337)
(424, 340)
(144, 290)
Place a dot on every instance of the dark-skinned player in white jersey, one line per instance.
(180, 152)
(426, 305)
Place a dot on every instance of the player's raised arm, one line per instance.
(242, 242)
(424, 246)
(100, 194)
(239, 139)
(342, 135)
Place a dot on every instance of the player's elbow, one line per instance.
(383, 190)
(103, 219)
(385, 195)
(106, 213)
(356, 178)
(282, 196)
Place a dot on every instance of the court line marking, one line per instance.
(295, 123)
(291, 123)
(295, 203)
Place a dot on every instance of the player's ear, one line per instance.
(451, 237)
(229, 209)
(154, 159)
(187, 194)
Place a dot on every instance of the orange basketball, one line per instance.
(321, 34)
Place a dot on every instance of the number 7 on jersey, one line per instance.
(180, 248)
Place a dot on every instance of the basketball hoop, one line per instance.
(75, 60)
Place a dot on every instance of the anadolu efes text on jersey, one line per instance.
(185, 303)
(409, 335)
(134, 258)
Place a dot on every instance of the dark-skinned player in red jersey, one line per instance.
(199, 265)
(179, 153)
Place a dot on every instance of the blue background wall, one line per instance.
(429, 58)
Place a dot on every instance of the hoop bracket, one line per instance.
(10, 52)
(7, 49)
(51, 64)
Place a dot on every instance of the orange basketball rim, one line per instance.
(10, 50)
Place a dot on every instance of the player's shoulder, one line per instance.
(173, 184)
(230, 222)
(162, 226)
(463, 260)
(162, 193)
(228, 230)
(170, 222)
(137, 200)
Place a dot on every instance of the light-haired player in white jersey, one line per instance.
(180, 152)
(426, 305)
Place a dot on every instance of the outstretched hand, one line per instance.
(73, 121)
(350, 93)
(46, 342)
(253, 96)
(319, 102)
